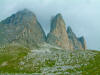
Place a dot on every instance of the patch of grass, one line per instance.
(10, 56)
(93, 68)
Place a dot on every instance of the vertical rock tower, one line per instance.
(83, 42)
(58, 35)
(78, 43)
(73, 39)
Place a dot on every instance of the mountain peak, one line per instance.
(69, 29)
(82, 37)
(78, 43)
(58, 35)
(26, 12)
(25, 9)
(59, 15)
(83, 42)
(19, 17)
(57, 22)
(22, 27)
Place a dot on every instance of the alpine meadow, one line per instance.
(36, 39)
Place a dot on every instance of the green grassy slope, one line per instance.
(10, 56)
(94, 67)
(48, 60)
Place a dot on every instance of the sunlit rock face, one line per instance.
(78, 43)
(21, 27)
(58, 35)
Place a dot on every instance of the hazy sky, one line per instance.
(82, 15)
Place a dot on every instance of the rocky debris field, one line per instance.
(48, 60)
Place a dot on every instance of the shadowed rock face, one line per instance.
(78, 43)
(21, 27)
(83, 42)
(58, 35)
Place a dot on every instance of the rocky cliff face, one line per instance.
(58, 35)
(78, 43)
(83, 42)
(21, 27)
(73, 39)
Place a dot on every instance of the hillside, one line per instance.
(47, 60)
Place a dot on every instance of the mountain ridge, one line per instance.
(23, 27)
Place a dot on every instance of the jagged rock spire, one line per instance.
(83, 42)
(24, 28)
(78, 43)
(58, 35)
